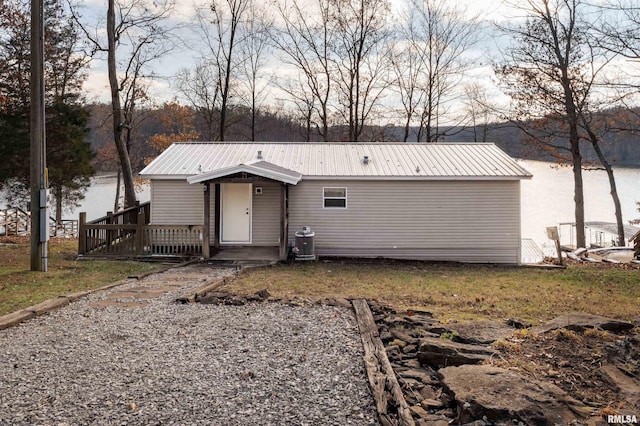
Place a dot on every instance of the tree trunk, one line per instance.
(612, 184)
(576, 156)
(576, 160)
(227, 81)
(308, 123)
(253, 115)
(58, 195)
(116, 107)
(578, 196)
(116, 202)
(407, 128)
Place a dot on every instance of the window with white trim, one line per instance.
(334, 198)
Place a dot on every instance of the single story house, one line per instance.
(442, 201)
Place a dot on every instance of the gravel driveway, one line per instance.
(164, 363)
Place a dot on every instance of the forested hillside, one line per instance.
(621, 147)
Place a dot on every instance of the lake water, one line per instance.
(547, 199)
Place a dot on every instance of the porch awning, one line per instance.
(258, 168)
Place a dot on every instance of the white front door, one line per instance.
(236, 213)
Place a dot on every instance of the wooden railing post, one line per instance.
(206, 239)
(140, 234)
(82, 238)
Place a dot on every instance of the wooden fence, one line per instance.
(129, 234)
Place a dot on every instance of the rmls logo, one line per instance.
(619, 419)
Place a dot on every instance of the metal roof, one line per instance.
(342, 160)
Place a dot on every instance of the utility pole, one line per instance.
(39, 210)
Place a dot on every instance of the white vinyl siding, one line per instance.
(175, 202)
(469, 221)
(266, 214)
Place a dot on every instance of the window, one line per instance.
(335, 198)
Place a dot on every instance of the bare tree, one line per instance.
(304, 102)
(594, 131)
(620, 27)
(550, 75)
(479, 110)
(220, 26)
(304, 40)
(361, 45)
(134, 29)
(430, 63)
(620, 34)
(201, 88)
(408, 71)
(255, 46)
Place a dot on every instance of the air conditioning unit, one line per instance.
(304, 247)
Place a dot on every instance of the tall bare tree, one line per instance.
(220, 26)
(200, 86)
(304, 40)
(407, 68)
(544, 73)
(619, 31)
(255, 47)
(560, 69)
(478, 109)
(430, 63)
(361, 45)
(136, 36)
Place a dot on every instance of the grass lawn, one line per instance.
(459, 292)
(20, 288)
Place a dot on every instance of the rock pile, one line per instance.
(447, 376)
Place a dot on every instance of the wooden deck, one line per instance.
(129, 234)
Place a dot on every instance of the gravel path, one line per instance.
(166, 364)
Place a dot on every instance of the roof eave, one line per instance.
(244, 168)
(420, 178)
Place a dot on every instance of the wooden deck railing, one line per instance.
(15, 221)
(120, 235)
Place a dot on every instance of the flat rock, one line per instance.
(504, 395)
(112, 303)
(429, 403)
(401, 334)
(579, 321)
(482, 332)
(418, 374)
(629, 387)
(417, 410)
(444, 352)
(433, 420)
(122, 295)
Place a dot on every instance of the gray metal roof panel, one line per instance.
(394, 160)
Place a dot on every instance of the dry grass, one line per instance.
(20, 288)
(453, 291)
